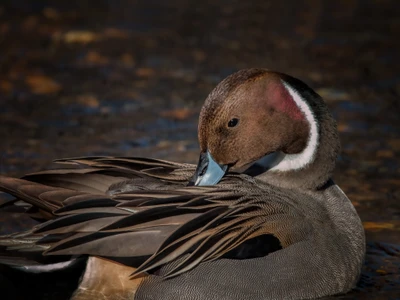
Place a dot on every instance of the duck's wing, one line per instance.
(87, 180)
(149, 228)
(91, 177)
(115, 174)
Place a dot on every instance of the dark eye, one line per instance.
(233, 122)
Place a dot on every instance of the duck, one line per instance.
(259, 216)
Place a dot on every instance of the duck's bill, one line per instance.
(208, 171)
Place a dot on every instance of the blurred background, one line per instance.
(128, 78)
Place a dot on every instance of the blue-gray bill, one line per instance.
(208, 171)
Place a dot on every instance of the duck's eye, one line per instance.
(233, 122)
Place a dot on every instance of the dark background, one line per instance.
(129, 77)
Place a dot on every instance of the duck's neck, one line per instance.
(313, 167)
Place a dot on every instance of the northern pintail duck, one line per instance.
(258, 218)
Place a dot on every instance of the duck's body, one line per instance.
(284, 232)
(319, 256)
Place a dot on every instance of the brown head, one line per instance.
(256, 112)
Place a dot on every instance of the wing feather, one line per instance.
(128, 208)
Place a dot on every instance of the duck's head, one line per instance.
(258, 114)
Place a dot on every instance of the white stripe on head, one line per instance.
(300, 160)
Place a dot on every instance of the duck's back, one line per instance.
(326, 259)
(244, 239)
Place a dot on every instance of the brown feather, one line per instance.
(204, 222)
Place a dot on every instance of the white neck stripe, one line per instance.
(300, 160)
